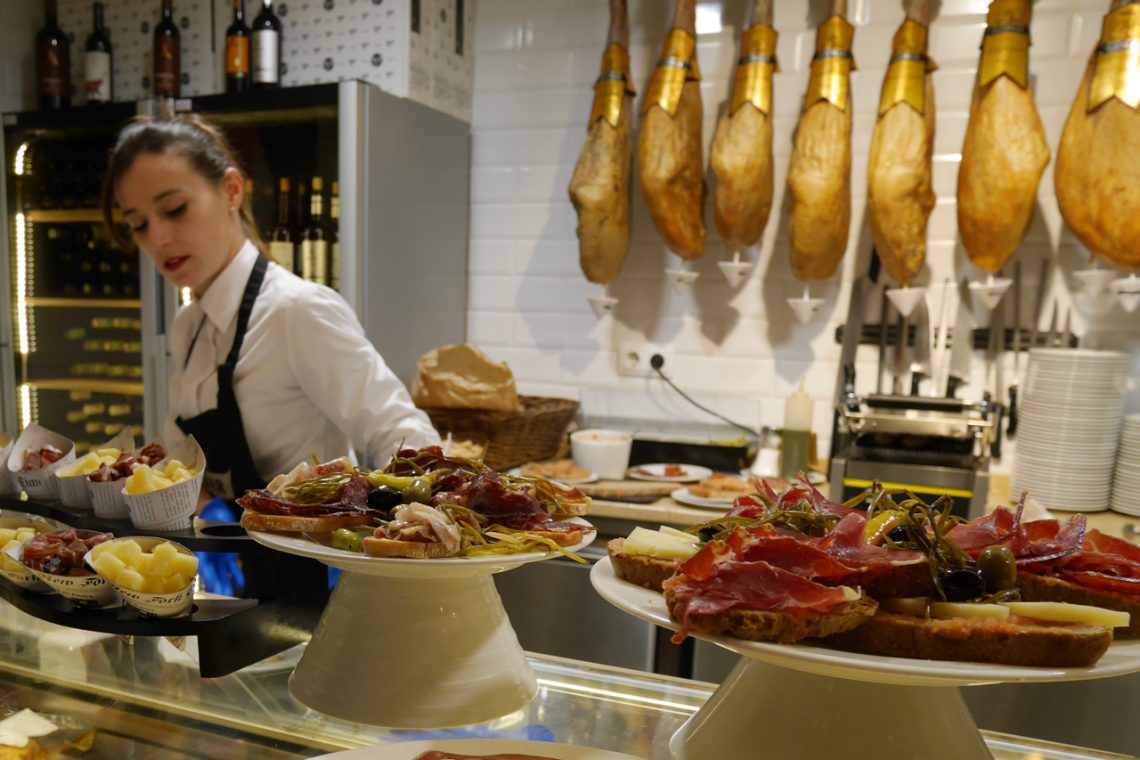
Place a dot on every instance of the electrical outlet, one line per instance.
(633, 358)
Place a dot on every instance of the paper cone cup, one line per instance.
(73, 489)
(41, 483)
(8, 484)
(150, 605)
(107, 499)
(171, 508)
(11, 567)
(83, 590)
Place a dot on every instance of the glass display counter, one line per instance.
(143, 698)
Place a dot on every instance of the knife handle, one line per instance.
(1011, 428)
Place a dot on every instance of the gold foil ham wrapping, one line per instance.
(832, 63)
(612, 86)
(677, 65)
(753, 83)
(1116, 62)
(1005, 45)
(905, 81)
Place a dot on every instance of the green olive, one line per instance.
(347, 540)
(418, 491)
(999, 568)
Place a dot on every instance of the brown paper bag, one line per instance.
(463, 377)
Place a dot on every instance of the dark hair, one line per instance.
(203, 146)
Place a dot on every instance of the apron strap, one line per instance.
(252, 288)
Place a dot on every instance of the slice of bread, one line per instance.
(640, 569)
(1043, 588)
(387, 547)
(251, 520)
(780, 627)
(562, 538)
(1014, 641)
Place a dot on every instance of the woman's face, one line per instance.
(187, 225)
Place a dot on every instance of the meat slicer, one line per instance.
(929, 446)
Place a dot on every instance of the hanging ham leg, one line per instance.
(600, 188)
(669, 153)
(819, 175)
(1004, 153)
(741, 154)
(899, 197)
(1098, 161)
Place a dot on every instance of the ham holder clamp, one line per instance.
(283, 596)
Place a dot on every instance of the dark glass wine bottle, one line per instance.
(280, 237)
(167, 55)
(237, 51)
(265, 50)
(314, 243)
(53, 61)
(97, 61)
(334, 237)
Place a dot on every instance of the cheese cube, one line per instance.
(163, 559)
(108, 565)
(128, 551)
(7, 534)
(153, 584)
(130, 579)
(175, 583)
(185, 565)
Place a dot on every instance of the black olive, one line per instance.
(999, 568)
(384, 498)
(899, 534)
(960, 585)
(707, 534)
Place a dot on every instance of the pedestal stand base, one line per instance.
(414, 653)
(795, 715)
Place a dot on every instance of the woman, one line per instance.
(269, 369)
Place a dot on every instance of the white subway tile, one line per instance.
(490, 328)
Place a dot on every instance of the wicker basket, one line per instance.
(533, 433)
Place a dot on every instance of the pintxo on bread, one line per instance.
(422, 505)
(902, 578)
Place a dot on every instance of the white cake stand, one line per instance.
(413, 643)
(804, 701)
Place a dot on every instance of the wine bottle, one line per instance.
(167, 55)
(299, 223)
(97, 61)
(315, 244)
(280, 239)
(334, 236)
(265, 55)
(53, 61)
(237, 51)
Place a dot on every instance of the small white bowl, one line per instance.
(605, 452)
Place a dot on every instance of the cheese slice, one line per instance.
(654, 543)
(667, 531)
(1062, 612)
(968, 610)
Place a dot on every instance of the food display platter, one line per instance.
(685, 496)
(791, 687)
(592, 477)
(412, 749)
(405, 623)
(656, 472)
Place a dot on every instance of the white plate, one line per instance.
(392, 567)
(656, 472)
(685, 497)
(1122, 657)
(409, 750)
(591, 478)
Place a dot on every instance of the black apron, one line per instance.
(229, 464)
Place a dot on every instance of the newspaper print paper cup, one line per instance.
(170, 604)
(41, 483)
(81, 590)
(173, 507)
(8, 484)
(11, 567)
(73, 488)
(107, 499)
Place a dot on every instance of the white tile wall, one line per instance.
(737, 350)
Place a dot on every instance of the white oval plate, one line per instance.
(410, 750)
(685, 497)
(399, 567)
(591, 478)
(656, 472)
(1122, 657)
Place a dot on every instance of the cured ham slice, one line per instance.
(755, 586)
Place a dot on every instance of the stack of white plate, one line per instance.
(1071, 404)
(1126, 484)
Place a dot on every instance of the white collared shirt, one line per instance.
(307, 379)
